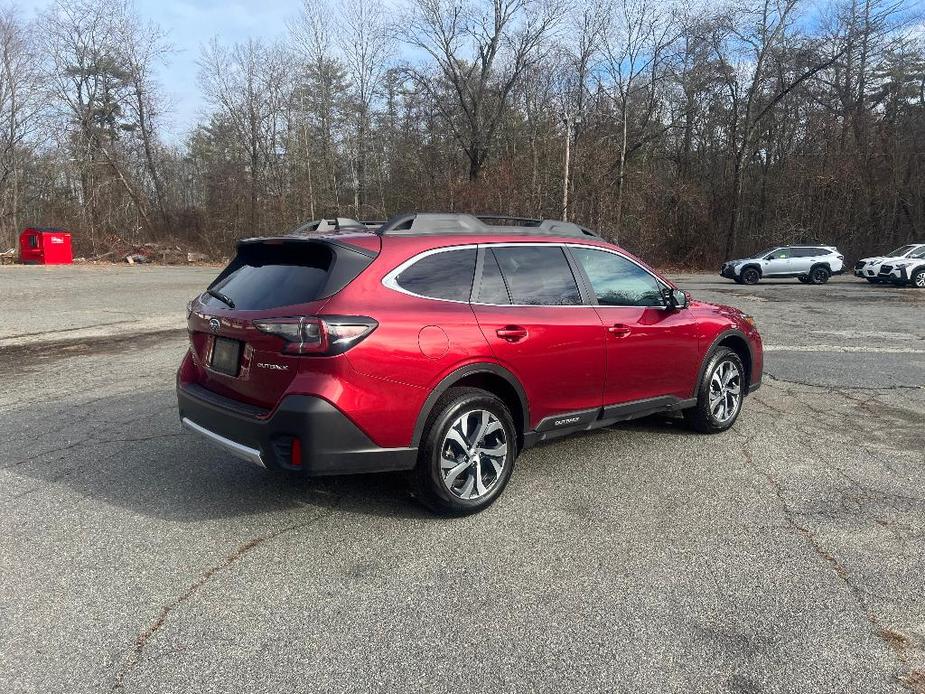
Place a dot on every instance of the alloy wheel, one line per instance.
(473, 455)
(920, 280)
(725, 391)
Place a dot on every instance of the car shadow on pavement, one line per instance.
(130, 451)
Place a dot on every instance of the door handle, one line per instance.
(619, 330)
(512, 333)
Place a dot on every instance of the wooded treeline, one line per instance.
(692, 134)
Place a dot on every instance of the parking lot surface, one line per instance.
(785, 555)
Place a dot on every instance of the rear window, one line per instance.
(443, 275)
(266, 276)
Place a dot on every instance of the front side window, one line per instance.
(33, 241)
(617, 281)
(443, 275)
(537, 275)
(920, 253)
(780, 254)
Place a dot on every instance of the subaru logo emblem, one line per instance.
(214, 325)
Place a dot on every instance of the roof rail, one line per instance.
(327, 224)
(436, 223)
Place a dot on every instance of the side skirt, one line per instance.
(585, 420)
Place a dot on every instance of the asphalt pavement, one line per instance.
(782, 556)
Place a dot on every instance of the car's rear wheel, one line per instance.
(918, 279)
(819, 275)
(750, 275)
(467, 452)
(720, 393)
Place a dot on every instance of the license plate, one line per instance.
(226, 355)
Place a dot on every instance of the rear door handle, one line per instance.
(619, 330)
(512, 333)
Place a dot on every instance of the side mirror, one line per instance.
(675, 298)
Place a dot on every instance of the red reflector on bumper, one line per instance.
(296, 453)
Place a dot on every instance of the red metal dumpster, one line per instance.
(45, 246)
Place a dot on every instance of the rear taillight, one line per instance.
(318, 335)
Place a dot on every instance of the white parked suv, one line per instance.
(909, 270)
(870, 268)
(809, 264)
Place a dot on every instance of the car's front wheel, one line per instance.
(750, 275)
(467, 452)
(719, 394)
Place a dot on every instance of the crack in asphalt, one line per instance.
(912, 679)
(837, 389)
(145, 636)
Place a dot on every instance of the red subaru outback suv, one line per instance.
(445, 344)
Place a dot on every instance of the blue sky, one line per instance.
(190, 24)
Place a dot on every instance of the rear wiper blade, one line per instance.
(221, 297)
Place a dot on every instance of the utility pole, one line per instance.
(568, 152)
(570, 121)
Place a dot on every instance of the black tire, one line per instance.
(917, 279)
(737, 280)
(873, 280)
(428, 478)
(701, 417)
(750, 275)
(804, 279)
(819, 275)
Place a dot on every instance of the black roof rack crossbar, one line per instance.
(436, 223)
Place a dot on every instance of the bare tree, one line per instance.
(637, 45)
(479, 51)
(366, 57)
(20, 114)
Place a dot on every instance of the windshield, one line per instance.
(764, 252)
(902, 250)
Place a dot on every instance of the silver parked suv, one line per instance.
(809, 264)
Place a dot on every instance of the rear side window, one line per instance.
(443, 275)
(538, 275)
(617, 281)
(270, 275)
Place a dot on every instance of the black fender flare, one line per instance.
(462, 372)
(756, 266)
(729, 332)
(821, 264)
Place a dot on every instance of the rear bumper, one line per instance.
(330, 443)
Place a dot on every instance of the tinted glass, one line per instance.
(444, 275)
(617, 281)
(803, 252)
(492, 289)
(920, 253)
(268, 276)
(33, 241)
(538, 275)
